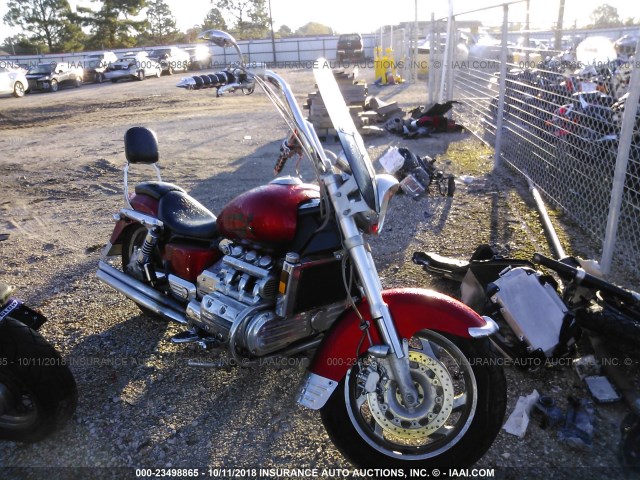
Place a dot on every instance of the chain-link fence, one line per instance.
(566, 118)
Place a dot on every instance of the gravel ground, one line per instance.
(140, 404)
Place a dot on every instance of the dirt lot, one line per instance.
(61, 157)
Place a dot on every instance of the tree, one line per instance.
(73, 39)
(44, 21)
(284, 31)
(250, 17)
(162, 24)
(214, 20)
(313, 28)
(20, 44)
(605, 16)
(111, 26)
(191, 35)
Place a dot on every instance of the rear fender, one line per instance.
(141, 203)
(413, 309)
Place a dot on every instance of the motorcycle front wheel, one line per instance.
(37, 390)
(462, 400)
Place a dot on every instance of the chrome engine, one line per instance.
(235, 301)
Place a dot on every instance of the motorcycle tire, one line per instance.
(38, 393)
(375, 435)
(133, 238)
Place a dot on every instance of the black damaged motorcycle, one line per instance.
(37, 390)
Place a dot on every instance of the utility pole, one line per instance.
(558, 42)
(273, 40)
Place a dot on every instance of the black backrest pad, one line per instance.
(141, 145)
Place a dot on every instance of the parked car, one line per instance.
(172, 59)
(13, 82)
(133, 66)
(626, 47)
(199, 57)
(350, 46)
(485, 49)
(48, 77)
(440, 43)
(15, 66)
(95, 65)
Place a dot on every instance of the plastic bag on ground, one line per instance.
(518, 421)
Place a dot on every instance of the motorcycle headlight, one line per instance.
(371, 222)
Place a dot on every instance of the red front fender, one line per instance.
(413, 309)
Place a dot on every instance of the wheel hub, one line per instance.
(435, 393)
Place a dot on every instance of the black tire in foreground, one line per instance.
(38, 393)
(462, 395)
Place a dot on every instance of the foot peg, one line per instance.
(191, 336)
(188, 336)
(208, 343)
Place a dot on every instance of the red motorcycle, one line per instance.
(404, 378)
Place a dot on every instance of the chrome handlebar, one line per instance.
(289, 109)
(293, 116)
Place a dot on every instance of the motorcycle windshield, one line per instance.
(350, 139)
(361, 167)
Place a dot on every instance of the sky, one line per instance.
(366, 16)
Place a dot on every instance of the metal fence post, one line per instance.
(624, 147)
(503, 85)
(446, 60)
(432, 72)
(415, 38)
(452, 60)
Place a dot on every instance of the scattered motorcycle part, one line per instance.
(630, 443)
(552, 236)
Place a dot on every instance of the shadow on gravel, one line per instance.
(388, 92)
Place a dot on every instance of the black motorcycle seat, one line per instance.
(186, 217)
(156, 190)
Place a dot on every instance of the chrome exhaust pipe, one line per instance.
(141, 294)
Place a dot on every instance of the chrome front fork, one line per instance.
(398, 356)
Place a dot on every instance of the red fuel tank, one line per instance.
(266, 214)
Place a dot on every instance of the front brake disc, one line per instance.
(435, 391)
